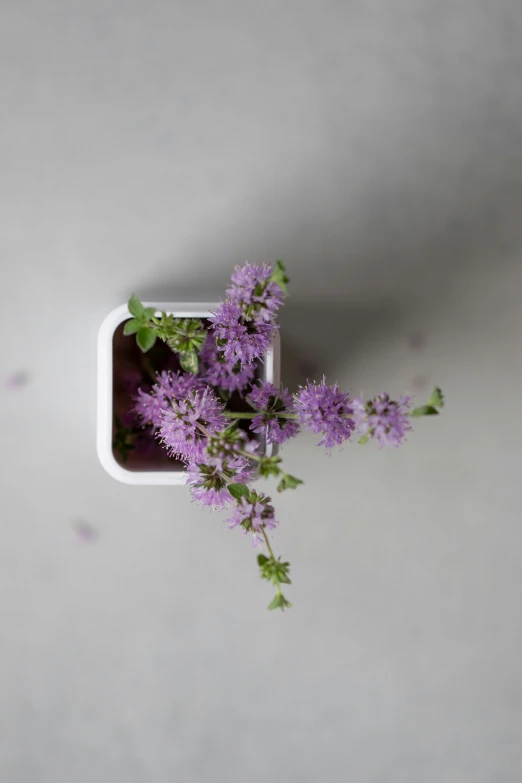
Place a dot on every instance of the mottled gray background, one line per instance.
(376, 146)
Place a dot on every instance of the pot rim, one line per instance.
(104, 422)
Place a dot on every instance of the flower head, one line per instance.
(228, 444)
(271, 402)
(255, 292)
(322, 409)
(208, 480)
(149, 407)
(254, 513)
(240, 340)
(216, 370)
(383, 419)
(177, 385)
(186, 424)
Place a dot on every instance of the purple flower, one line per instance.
(216, 370)
(187, 423)
(383, 419)
(240, 340)
(149, 407)
(254, 514)
(177, 385)
(322, 409)
(256, 294)
(208, 481)
(272, 402)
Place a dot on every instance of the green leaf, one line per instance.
(136, 307)
(363, 439)
(279, 276)
(262, 560)
(145, 338)
(224, 394)
(189, 361)
(425, 410)
(238, 491)
(269, 466)
(148, 313)
(288, 482)
(278, 602)
(437, 398)
(131, 327)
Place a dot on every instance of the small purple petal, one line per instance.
(271, 402)
(383, 419)
(149, 407)
(253, 514)
(218, 371)
(187, 423)
(325, 410)
(242, 340)
(258, 297)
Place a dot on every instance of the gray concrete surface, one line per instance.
(377, 147)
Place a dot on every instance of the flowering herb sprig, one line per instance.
(193, 412)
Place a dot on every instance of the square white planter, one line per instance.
(270, 372)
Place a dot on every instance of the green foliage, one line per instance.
(164, 326)
(279, 602)
(437, 398)
(288, 482)
(363, 439)
(269, 466)
(435, 401)
(189, 361)
(141, 325)
(424, 410)
(274, 570)
(145, 338)
(183, 335)
(188, 335)
(131, 327)
(136, 308)
(279, 276)
(238, 491)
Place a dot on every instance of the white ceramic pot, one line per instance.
(270, 372)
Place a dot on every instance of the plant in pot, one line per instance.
(190, 394)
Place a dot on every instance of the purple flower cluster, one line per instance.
(256, 294)
(149, 407)
(186, 424)
(240, 340)
(383, 419)
(271, 403)
(244, 323)
(208, 480)
(254, 514)
(217, 371)
(325, 409)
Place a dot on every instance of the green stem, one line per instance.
(248, 415)
(271, 551)
(234, 415)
